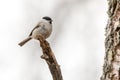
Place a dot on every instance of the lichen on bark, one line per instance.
(111, 67)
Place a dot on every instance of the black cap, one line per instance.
(47, 18)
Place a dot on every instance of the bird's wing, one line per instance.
(38, 25)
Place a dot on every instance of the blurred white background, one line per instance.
(77, 38)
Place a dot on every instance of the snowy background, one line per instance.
(77, 38)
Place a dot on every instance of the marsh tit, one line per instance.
(43, 28)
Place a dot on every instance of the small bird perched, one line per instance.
(43, 28)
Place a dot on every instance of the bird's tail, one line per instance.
(24, 41)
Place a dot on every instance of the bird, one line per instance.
(43, 28)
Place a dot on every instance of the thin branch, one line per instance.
(49, 57)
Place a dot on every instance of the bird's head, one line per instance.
(48, 19)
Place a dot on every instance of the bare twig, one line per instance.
(49, 57)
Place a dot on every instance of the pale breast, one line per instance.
(44, 30)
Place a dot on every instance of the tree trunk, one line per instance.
(111, 68)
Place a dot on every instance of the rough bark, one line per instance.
(111, 67)
(49, 57)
